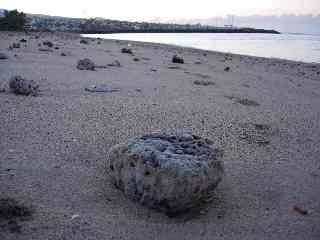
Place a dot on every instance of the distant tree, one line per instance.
(13, 21)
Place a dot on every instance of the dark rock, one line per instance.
(56, 48)
(102, 88)
(48, 44)
(177, 59)
(63, 54)
(83, 41)
(3, 56)
(15, 45)
(23, 40)
(227, 69)
(23, 86)
(136, 59)
(86, 64)
(169, 170)
(126, 50)
(203, 82)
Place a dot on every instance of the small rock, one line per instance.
(2, 90)
(15, 45)
(83, 41)
(86, 64)
(203, 82)
(23, 86)
(136, 59)
(127, 50)
(300, 210)
(227, 69)
(48, 44)
(63, 54)
(177, 59)
(197, 62)
(169, 170)
(23, 40)
(115, 63)
(102, 88)
(56, 48)
(3, 56)
(45, 50)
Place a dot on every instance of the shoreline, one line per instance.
(264, 113)
(199, 49)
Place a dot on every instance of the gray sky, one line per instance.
(164, 9)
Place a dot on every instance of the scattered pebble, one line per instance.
(107, 88)
(300, 210)
(48, 44)
(127, 50)
(177, 59)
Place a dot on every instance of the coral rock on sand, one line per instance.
(126, 50)
(23, 86)
(83, 41)
(3, 56)
(169, 170)
(177, 59)
(48, 44)
(86, 64)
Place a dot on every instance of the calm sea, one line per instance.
(297, 47)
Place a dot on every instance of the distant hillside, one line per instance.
(38, 22)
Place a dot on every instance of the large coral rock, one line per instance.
(169, 170)
(23, 86)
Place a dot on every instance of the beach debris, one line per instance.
(127, 51)
(243, 101)
(3, 56)
(86, 64)
(177, 59)
(23, 40)
(115, 63)
(106, 88)
(255, 133)
(15, 45)
(227, 69)
(170, 170)
(83, 41)
(45, 49)
(300, 210)
(75, 216)
(23, 86)
(203, 82)
(48, 44)
(174, 67)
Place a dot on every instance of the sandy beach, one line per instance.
(264, 114)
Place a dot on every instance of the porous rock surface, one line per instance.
(23, 86)
(86, 64)
(169, 170)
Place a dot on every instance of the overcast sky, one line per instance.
(163, 9)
